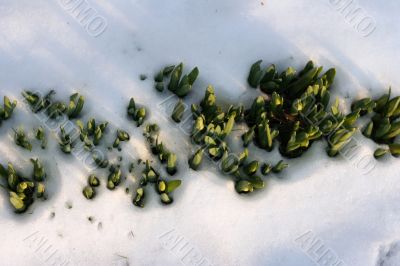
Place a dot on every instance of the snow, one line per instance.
(340, 204)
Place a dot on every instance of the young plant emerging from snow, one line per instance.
(21, 139)
(121, 136)
(384, 126)
(178, 84)
(54, 109)
(65, 141)
(151, 134)
(41, 136)
(163, 187)
(138, 114)
(92, 133)
(7, 110)
(89, 191)
(23, 191)
(212, 125)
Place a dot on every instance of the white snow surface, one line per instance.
(347, 209)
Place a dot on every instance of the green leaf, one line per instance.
(178, 111)
(196, 159)
(229, 126)
(256, 182)
(167, 70)
(171, 164)
(279, 167)
(243, 187)
(379, 153)
(138, 200)
(193, 76)
(382, 101)
(75, 105)
(255, 74)
(172, 185)
(391, 106)
(395, 149)
(17, 202)
(3, 171)
(89, 192)
(165, 198)
(175, 78)
(251, 168)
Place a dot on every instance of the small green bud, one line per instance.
(21, 139)
(175, 77)
(123, 135)
(255, 74)
(366, 105)
(279, 167)
(171, 164)
(161, 186)
(140, 116)
(257, 182)
(138, 200)
(7, 110)
(243, 187)
(248, 137)
(40, 190)
(178, 111)
(75, 105)
(17, 201)
(367, 132)
(251, 168)
(40, 135)
(196, 159)
(382, 101)
(65, 141)
(88, 192)
(395, 149)
(39, 173)
(379, 153)
(266, 169)
(243, 156)
(391, 107)
(25, 187)
(193, 75)
(56, 110)
(93, 181)
(132, 108)
(167, 70)
(165, 198)
(110, 185)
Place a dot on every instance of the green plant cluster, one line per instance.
(92, 133)
(295, 111)
(22, 190)
(138, 114)
(212, 125)
(54, 109)
(165, 156)
(384, 125)
(163, 187)
(7, 110)
(122, 136)
(180, 84)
